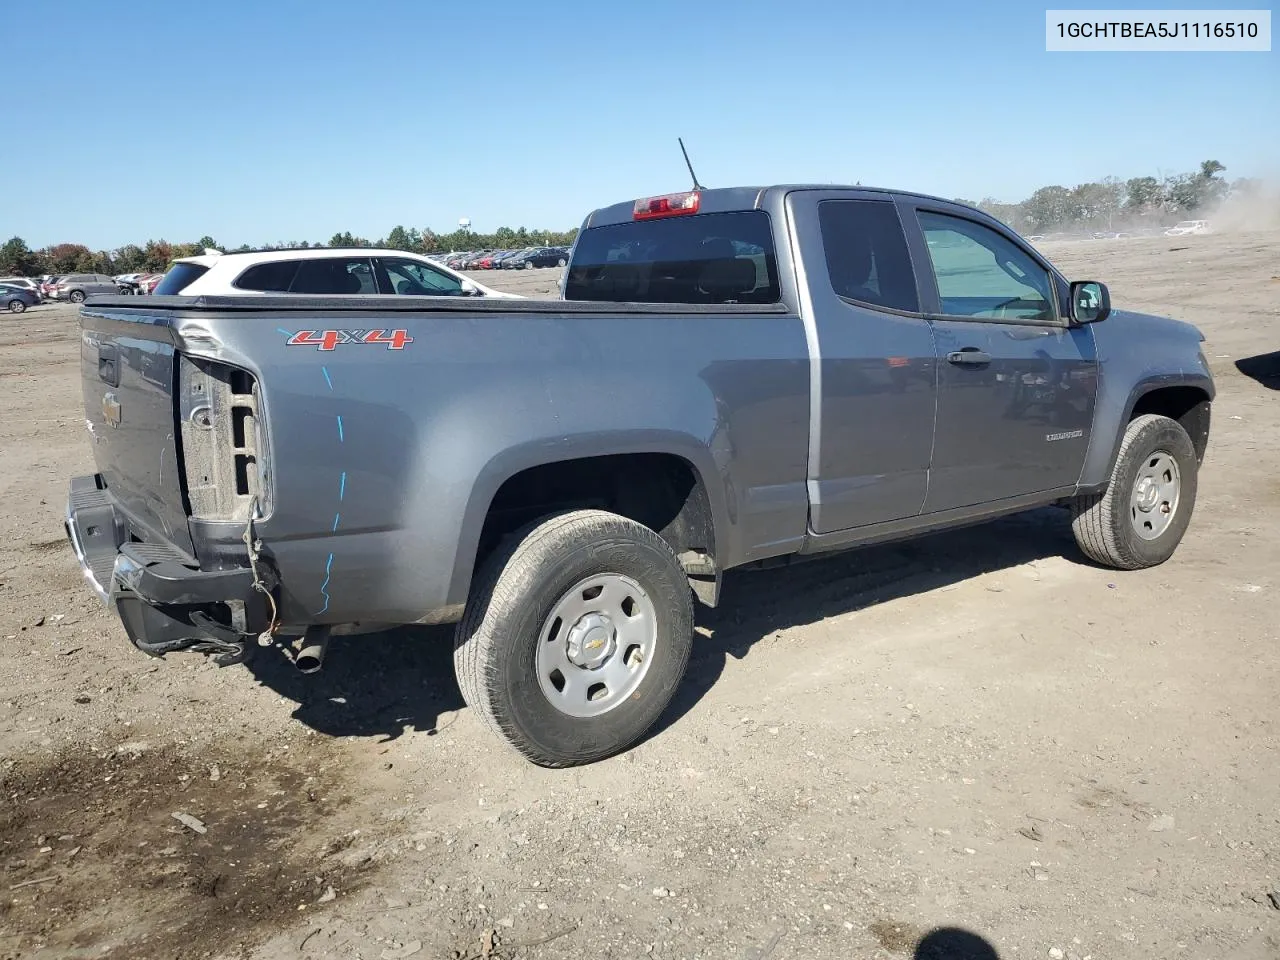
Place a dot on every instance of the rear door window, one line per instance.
(274, 277)
(335, 275)
(704, 258)
(866, 253)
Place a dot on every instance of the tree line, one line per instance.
(1112, 202)
(17, 259)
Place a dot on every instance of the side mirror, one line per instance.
(469, 289)
(1090, 302)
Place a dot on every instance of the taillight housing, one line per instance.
(668, 205)
(224, 450)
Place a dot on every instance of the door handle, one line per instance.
(970, 356)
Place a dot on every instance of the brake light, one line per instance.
(670, 205)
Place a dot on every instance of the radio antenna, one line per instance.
(696, 184)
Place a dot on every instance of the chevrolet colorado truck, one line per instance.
(731, 377)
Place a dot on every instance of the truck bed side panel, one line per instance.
(384, 460)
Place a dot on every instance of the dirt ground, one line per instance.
(976, 739)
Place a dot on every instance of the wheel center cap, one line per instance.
(591, 641)
(1148, 493)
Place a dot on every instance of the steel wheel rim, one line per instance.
(596, 645)
(1157, 490)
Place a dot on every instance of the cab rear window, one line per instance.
(704, 258)
(179, 277)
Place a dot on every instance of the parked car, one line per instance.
(76, 287)
(48, 285)
(25, 283)
(499, 262)
(16, 299)
(539, 257)
(146, 283)
(1187, 227)
(129, 282)
(734, 377)
(358, 271)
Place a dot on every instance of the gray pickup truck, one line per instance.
(732, 377)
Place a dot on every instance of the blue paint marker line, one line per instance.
(325, 371)
(340, 440)
(324, 587)
(336, 518)
(284, 331)
(342, 485)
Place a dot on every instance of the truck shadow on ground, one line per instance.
(377, 684)
(1264, 368)
(386, 684)
(757, 604)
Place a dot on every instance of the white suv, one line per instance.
(319, 271)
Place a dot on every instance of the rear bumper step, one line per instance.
(164, 603)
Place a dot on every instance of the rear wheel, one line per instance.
(77, 296)
(1141, 518)
(561, 262)
(575, 637)
(17, 306)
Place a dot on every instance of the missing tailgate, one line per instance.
(221, 440)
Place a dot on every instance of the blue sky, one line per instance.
(294, 119)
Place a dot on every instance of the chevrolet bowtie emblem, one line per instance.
(111, 409)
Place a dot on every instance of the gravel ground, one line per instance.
(971, 745)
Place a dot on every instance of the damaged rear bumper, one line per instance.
(164, 600)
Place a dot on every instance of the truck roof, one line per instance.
(729, 199)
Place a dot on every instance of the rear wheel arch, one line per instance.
(666, 491)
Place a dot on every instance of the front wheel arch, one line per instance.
(1189, 403)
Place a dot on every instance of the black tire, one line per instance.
(1104, 524)
(561, 262)
(496, 644)
(76, 296)
(17, 306)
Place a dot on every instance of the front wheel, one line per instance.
(1141, 518)
(77, 296)
(576, 635)
(17, 306)
(561, 262)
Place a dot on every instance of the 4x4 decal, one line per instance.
(330, 339)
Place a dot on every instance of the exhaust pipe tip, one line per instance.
(315, 643)
(309, 659)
